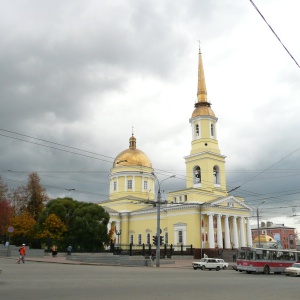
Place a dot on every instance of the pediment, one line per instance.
(230, 202)
(180, 224)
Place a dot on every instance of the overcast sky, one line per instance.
(81, 74)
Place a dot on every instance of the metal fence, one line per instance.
(149, 250)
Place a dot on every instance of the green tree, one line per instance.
(90, 226)
(86, 223)
(62, 207)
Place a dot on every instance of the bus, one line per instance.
(263, 260)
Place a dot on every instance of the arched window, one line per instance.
(212, 133)
(197, 174)
(197, 129)
(216, 174)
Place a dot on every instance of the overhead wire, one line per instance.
(157, 171)
(274, 33)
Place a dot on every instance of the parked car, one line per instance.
(294, 270)
(225, 264)
(208, 263)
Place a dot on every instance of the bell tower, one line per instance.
(205, 166)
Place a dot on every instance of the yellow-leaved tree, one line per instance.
(53, 228)
(24, 226)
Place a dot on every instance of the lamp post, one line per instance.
(118, 233)
(257, 215)
(158, 218)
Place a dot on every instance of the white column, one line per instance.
(133, 183)
(211, 240)
(242, 232)
(227, 235)
(235, 234)
(118, 227)
(249, 233)
(219, 232)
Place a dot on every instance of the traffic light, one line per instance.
(154, 239)
(161, 238)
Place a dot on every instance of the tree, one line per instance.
(6, 212)
(90, 226)
(18, 200)
(86, 223)
(62, 207)
(24, 226)
(3, 189)
(36, 195)
(53, 228)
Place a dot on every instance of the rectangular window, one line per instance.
(180, 198)
(180, 236)
(146, 185)
(185, 198)
(140, 239)
(129, 184)
(115, 185)
(131, 239)
(148, 238)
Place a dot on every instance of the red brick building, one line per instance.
(284, 234)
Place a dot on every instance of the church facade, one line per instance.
(203, 214)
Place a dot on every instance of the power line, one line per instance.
(263, 171)
(50, 142)
(275, 34)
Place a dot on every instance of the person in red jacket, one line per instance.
(22, 251)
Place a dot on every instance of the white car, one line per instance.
(225, 264)
(208, 263)
(294, 270)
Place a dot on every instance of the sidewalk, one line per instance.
(179, 263)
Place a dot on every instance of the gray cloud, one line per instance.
(82, 74)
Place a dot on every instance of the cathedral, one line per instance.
(203, 214)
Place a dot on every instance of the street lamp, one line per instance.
(257, 215)
(158, 218)
(118, 233)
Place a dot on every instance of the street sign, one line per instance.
(10, 229)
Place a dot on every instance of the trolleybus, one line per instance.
(262, 260)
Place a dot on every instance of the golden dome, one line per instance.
(203, 111)
(132, 156)
(264, 239)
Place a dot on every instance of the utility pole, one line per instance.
(257, 215)
(158, 219)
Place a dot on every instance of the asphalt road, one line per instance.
(40, 280)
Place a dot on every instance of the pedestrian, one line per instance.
(234, 257)
(205, 255)
(22, 252)
(69, 250)
(54, 251)
(152, 256)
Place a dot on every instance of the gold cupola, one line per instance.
(202, 106)
(132, 156)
